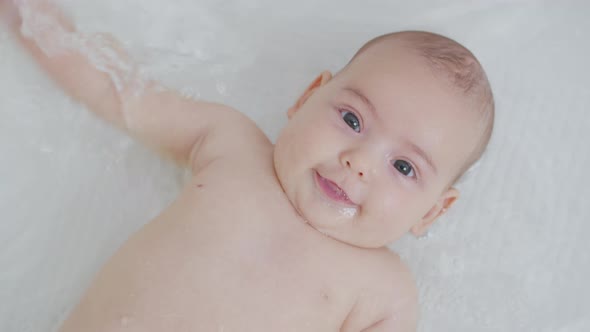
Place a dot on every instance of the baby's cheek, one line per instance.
(313, 137)
(396, 207)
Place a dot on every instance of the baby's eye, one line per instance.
(351, 120)
(404, 167)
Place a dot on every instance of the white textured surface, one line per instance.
(510, 256)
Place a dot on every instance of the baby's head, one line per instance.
(394, 129)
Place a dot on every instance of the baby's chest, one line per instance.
(234, 257)
(250, 291)
(238, 284)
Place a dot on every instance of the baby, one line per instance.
(288, 236)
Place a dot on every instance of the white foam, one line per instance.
(54, 39)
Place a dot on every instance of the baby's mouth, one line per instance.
(332, 190)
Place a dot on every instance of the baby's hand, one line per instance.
(42, 20)
(9, 13)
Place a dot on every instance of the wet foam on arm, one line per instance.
(96, 71)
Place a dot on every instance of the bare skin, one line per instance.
(253, 243)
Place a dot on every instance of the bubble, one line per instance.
(348, 212)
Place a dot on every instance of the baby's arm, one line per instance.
(97, 72)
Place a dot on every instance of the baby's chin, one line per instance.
(349, 237)
(342, 230)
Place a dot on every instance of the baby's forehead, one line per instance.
(402, 84)
(385, 53)
(397, 77)
(397, 73)
(386, 57)
(442, 58)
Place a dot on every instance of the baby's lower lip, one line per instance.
(331, 190)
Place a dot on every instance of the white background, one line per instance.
(512, 254)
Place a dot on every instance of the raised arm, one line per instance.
(96, 71)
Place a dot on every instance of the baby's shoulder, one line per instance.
(235, 136)
(389, 297)
(393, 272)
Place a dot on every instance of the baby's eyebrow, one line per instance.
(364, 99)
(420, 152)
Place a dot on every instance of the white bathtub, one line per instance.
(512, 255)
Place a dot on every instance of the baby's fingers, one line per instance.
(9, 13)
(40, 12)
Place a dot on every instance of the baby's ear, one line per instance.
(322, 79)
(446, 200)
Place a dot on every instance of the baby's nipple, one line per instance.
(126, 321)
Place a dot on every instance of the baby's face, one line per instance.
(390, 134)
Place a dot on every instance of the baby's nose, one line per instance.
(359, 172)
(357, 164)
